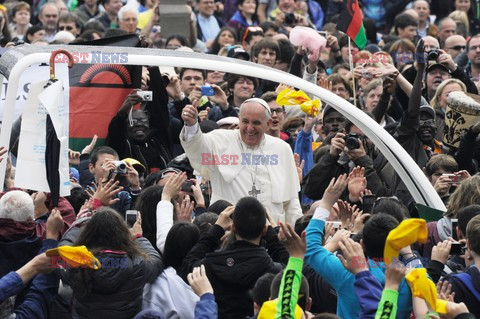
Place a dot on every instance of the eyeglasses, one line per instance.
(426, 122)
(253, 30)
(65, 27)
(139, 121)
(53, 16)
(277, 110)
(458, 47)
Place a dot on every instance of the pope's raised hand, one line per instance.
(190, 114)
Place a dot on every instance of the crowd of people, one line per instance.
(213, 199)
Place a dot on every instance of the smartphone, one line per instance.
(457, 249)
(187, 186)
(207, 90)
(336, 225)
(131, 217)
(454, 228)
(368, 201)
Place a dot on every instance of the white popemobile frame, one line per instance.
(413, 177)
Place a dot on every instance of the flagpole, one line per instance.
(351, 70)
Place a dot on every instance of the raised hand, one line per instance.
(89, 148)
(73, 157)
(357, 183)
(295, 245)
(333, 192)
(173, 186)
(353, 258)
(199, 282)
(444, 291)
(190, 114)
(54, 224)
(421, 55)
(299, 164)
(184, 210)
(105, 193)
(224, 219)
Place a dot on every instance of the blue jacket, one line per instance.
(316, 14)
(369, 293)
(206, 308)
(303, 147)
(330, 267)
(38, 296)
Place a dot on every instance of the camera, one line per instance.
(187, 186)
(454, 178)
(121, 167)
(433, 55)
(207, 90)
(352, 141)
(289, 19)
(145, 95)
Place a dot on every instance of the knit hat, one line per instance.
(269, 309)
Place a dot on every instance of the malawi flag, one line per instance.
(350, 22)
(97, 91)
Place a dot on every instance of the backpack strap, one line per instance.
(466, 279)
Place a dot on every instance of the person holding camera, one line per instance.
(144, 134)
(349, 148)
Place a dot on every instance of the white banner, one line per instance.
(32, 74)
(31, 171)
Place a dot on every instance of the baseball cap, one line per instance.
(436, 65)
(237, 52)
(427, 109)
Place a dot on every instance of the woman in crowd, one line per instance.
(20, 20)
(115, 290)
(439, 102)
(226, 37)
(244, 17)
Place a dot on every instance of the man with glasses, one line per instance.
(455, 45)
(278, 115)
(70, 22)
(144, 134)
(48, 17)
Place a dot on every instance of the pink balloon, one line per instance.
(309, 39)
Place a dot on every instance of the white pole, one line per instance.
(413, 177)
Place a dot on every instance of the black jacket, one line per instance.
(235, 270)
(116, 288)
(316, 181)
(463, 294)
(156, 153)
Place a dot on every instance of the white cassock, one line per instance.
(235, 170)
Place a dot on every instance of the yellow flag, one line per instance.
(76, 256)
(289, 97)
(423, 287)
(408, 232)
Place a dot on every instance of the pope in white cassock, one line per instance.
(245, 162)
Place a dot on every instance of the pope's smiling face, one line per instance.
(253, 123)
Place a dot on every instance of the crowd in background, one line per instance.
(186, 256)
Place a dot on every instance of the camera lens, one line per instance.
(433, 55)
(351, 142)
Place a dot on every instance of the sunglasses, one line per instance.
(253, 31)
(458, 47)
(65, 27)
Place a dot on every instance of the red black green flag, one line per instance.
(350, 22)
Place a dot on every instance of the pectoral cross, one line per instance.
(254, 192)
